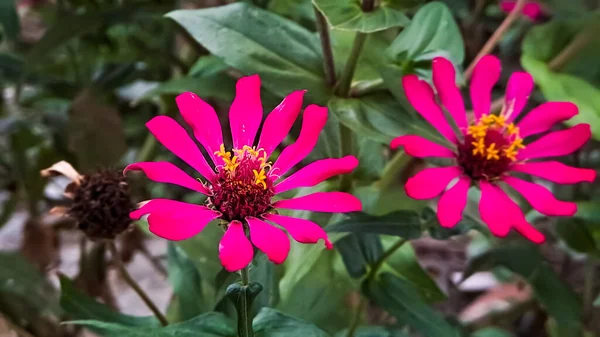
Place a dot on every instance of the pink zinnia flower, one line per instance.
(241, 187)
(487, 151)
(532, 9)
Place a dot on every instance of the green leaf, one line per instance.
(211, 324)
(219, 86)
(406, 224)
(380, 117)
(207, 65)
(562, 87)
(558, 298)
(348, 15)
(95, 132)
(400, 298)
(491, 332)
(576, 234)
(186, 282)
(80, 306)
(263, 272)
(372, 331)
(285, 55)
(431, 32)
(358, 251)
(272, 323)
(9, 20)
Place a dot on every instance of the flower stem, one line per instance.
(348, 73)
(245, 310)
(580, 41)
(328, 63)
(136, 287)
(370, 276)
(495, 38)
(245, 275)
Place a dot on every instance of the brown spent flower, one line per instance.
(101, 201)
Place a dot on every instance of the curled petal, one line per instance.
(485, 75)
(520, 85)
(444, 79)
(556, 171)
(453, 202)
(165, 172)
(430, 182)
(338, 202)
(544, 116)
(174, 137)
(541, 199)
(65, 169)
(269, 239)
(245, 113)
(317, 172)
(494, 210)
(314, 120)
(557, 143)
(420, 147)
(235, 250)
(175, 220)
(203, 120)
(303, 231)
(279, 122)
(421, 97)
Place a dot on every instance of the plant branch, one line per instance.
(348, 73)
(495, 38)
(328, 63)
(136, 287)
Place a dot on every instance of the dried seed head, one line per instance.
(101, 205)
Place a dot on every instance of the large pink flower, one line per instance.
(488, 150)
(243, 182)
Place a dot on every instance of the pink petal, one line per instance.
(335, 202)
(541, 198)
(557, 172)
(453, 202)
(485, 76)
(316, 172)
(303, 231)
(245, 113)
(531, 9)
(269, 239)
(520, 85)
(175, 220)
(235, 250)
(529, 232)
(420, 147)
(279, 122)
(557, 143)
(421, 97)
(544, 116)
(174, 137)
(165, 172)
(444, 79)
(314, 120)
(430, 182)
(495, 209)
(203, 120)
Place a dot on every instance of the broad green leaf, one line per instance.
(212, 324)
(285, 55)
(186, 282)
(576, 234)
(72, 26)
(406, 224)
(207, 65)
(272, 323)
(263, 272)
(402, 300)
(558, 298)
(96, 133)
(371, 159)
(203, 250)
(348, 15)
(217, 86)
(358, 251)
(380, 117)
(372, 331)
(9, 20)
(80, 306)
(491, 332)
(562, 87)
(298, 10)
(431, 32)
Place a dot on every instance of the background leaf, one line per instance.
(272, 323)
(9, 20)
(348, 15)
(186, 282)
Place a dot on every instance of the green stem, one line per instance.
(134, 285)
(347, 148)
(392, 169)
(348, 73)
(245, 275)
(370, 276)
(147, 150)
(328, 63)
